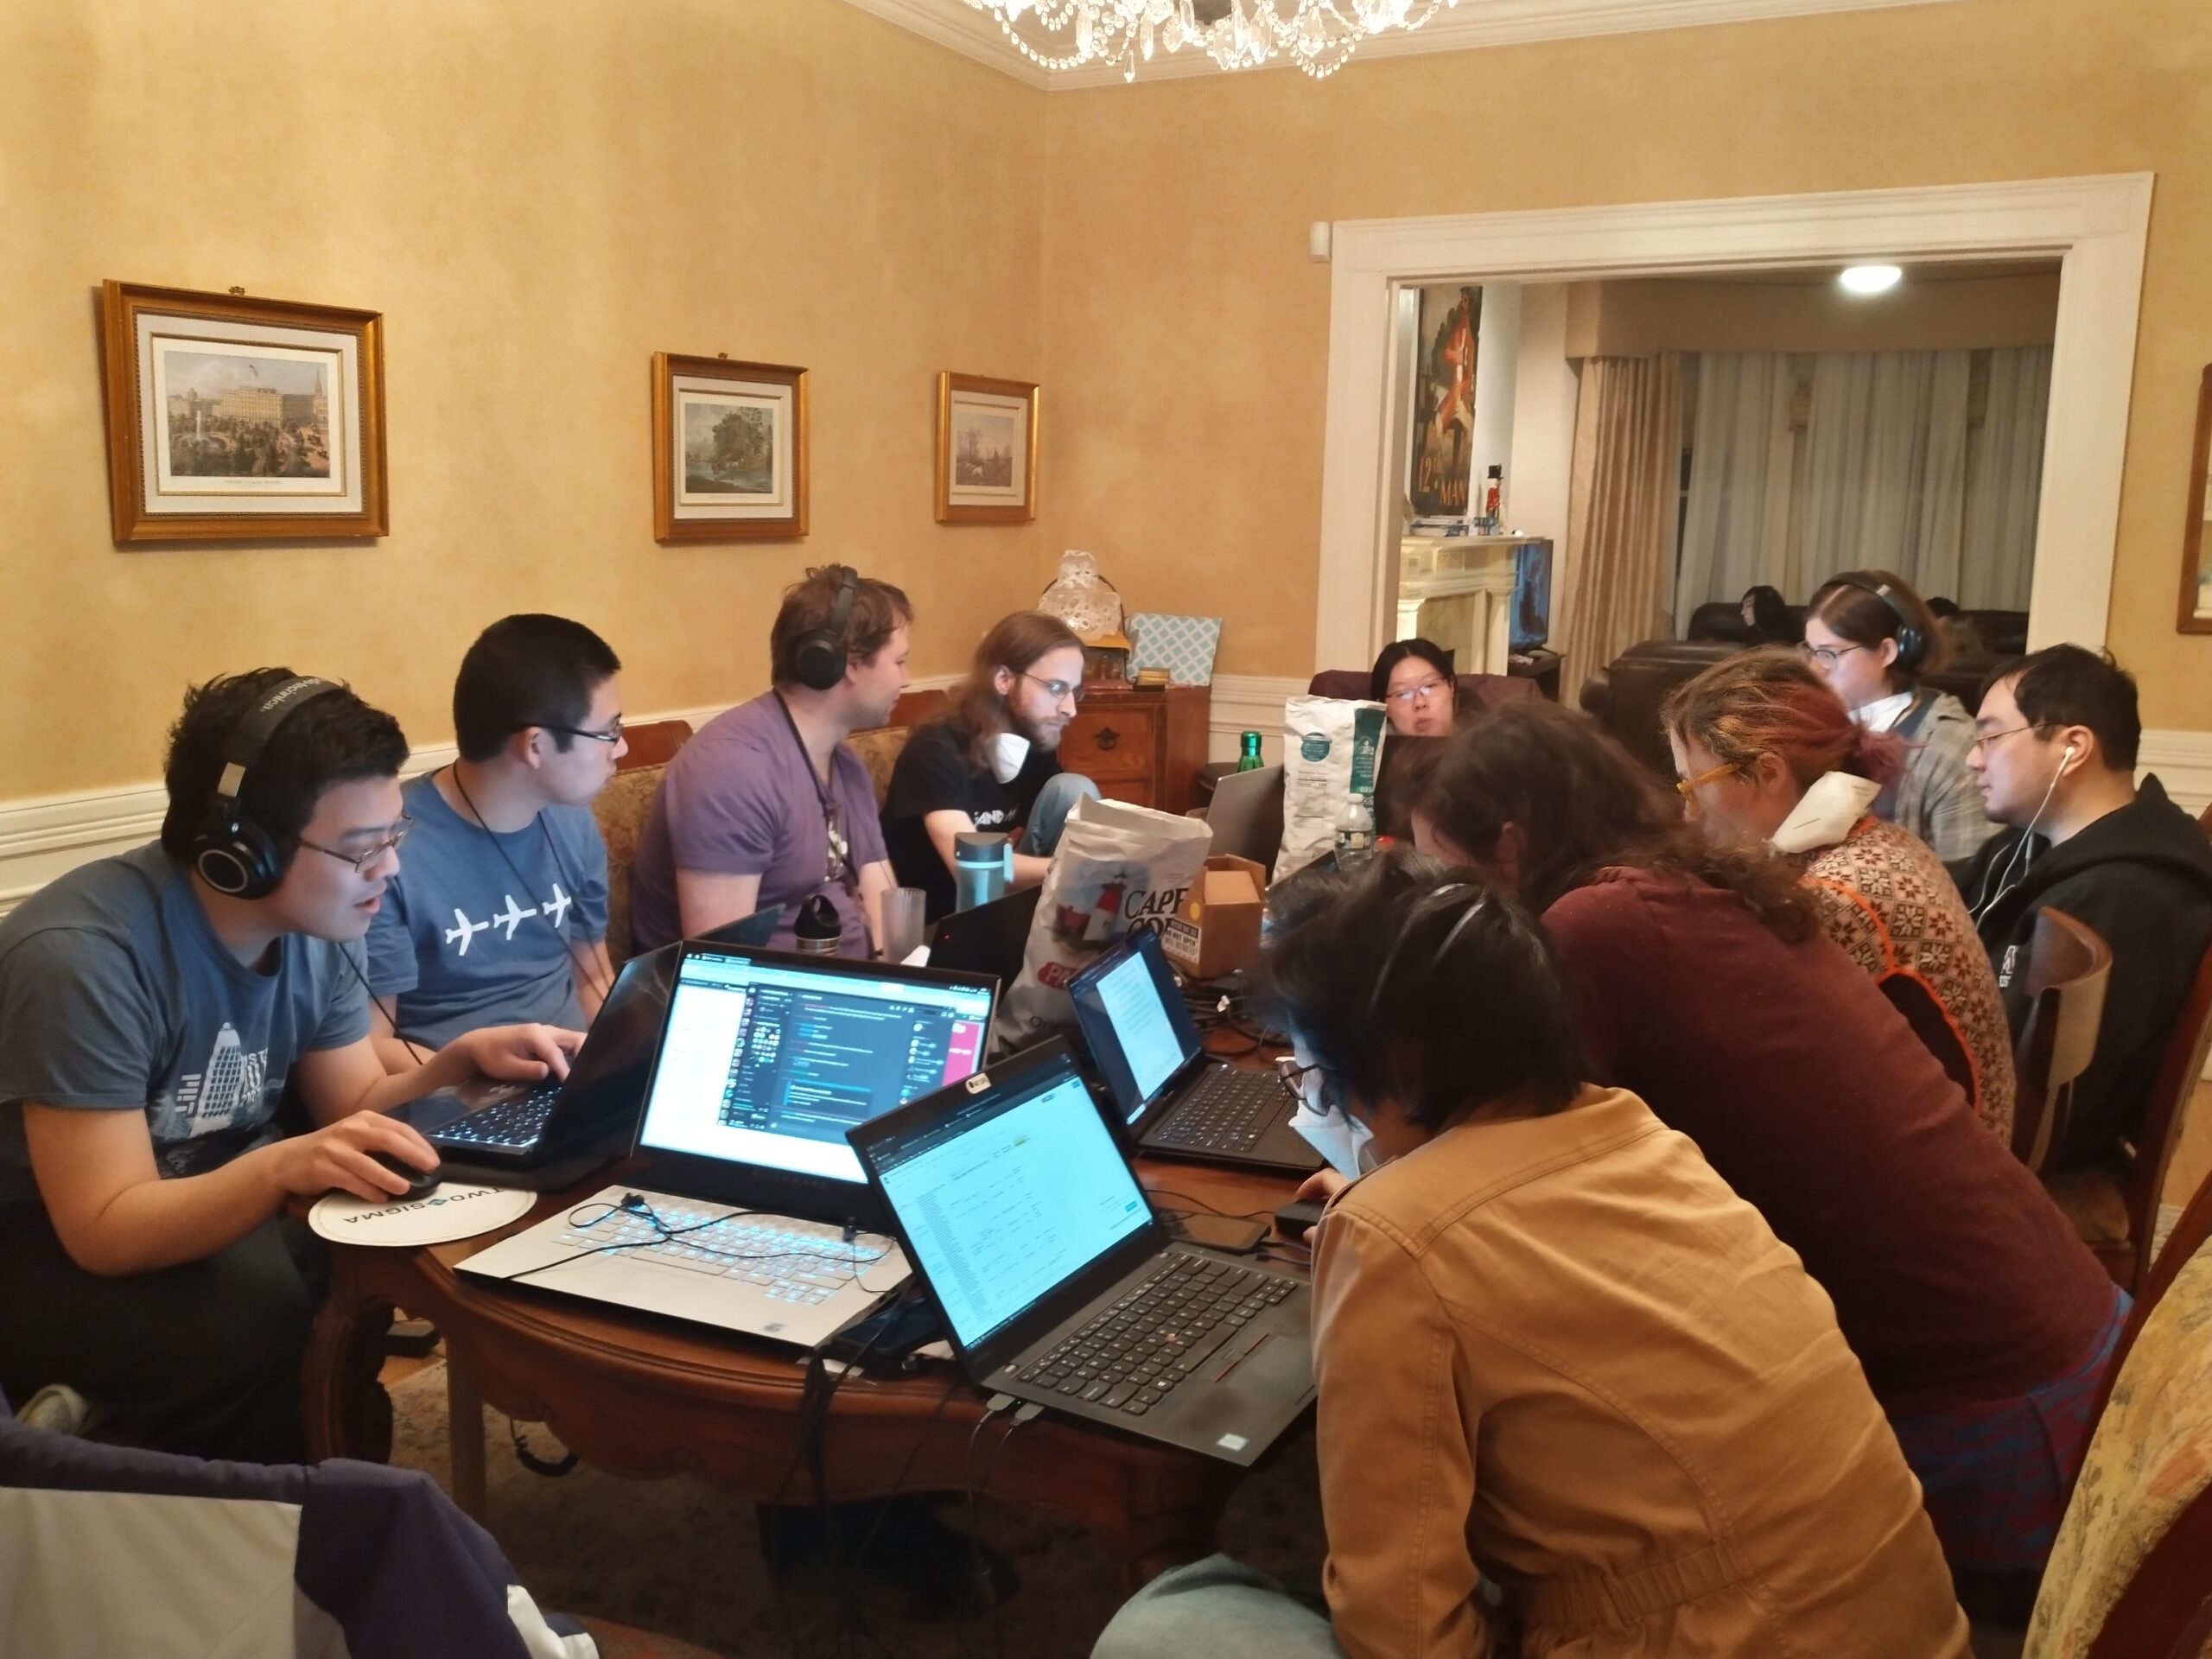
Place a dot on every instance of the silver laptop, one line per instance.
(1246, 815)
(753, 1212)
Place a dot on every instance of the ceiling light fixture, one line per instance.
(1870, 279)
(1317, 35)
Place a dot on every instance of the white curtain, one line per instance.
(2005, 482)
(1736, 524)
(1886, 466)
(1613, 583)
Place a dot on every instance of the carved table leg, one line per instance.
(343, 1407)
(464, 1434)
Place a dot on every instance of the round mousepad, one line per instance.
(448, 1210)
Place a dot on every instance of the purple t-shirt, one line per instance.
(739, 799)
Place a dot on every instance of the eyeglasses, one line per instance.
(1056, 688)
(1687, 787)
(1826, 655)
(1421, 693)
(613, 735)
(361, 861)
(1983, 740)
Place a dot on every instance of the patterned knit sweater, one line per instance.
(1889, 902)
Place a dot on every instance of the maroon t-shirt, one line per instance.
(1954, 1276)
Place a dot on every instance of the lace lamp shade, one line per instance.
(1083, 599)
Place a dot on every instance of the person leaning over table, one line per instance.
(1569, 1383)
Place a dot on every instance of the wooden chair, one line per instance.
(622, 809)
(879, 746)
(2068, 969)
(2128, 1577)
(2163, 1118)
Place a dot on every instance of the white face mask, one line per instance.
(1824, 814)
(1009, 750)
(1347, 1143)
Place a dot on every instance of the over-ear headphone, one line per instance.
(234, 855)
(1912, 645)
(820, 656)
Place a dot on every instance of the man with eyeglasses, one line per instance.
(769, 804)
(990, 762)
(500, 914)
(155, 1008)
(2054, 755)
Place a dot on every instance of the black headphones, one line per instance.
(1912, 645)
(234, 855)
(820, 655)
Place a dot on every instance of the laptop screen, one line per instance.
(1135, 1021)
(769, 1062)
(1008, 1197)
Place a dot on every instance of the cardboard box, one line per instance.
(1217, 930)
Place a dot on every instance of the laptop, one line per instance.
(988, 939)
(752, 1212)
(1166, 1096)
(1246, 815)
(525, 1126)
(1057, 1285)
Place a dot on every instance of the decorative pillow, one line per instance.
(622, 809)
(879, 748)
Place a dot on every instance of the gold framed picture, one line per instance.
(238, 419)
(986, 450)
(729, 450)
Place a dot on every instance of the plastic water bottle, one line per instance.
(1248, 757)
(1355, 832)
(983, 868)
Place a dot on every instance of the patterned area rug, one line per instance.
(681, 1557)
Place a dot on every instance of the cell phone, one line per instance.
(1231, 1233)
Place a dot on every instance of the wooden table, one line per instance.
(641, 1396)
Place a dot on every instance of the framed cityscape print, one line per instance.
(729, 449)
(239, 419)
(986, 450)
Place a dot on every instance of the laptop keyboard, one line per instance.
(513, 1124)
(786, 1259)
(1134, 1354)
(1228, 1112)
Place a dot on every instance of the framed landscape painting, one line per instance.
(729, 449)
(986, 450)
(239, 419)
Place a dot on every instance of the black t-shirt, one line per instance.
(932, 776)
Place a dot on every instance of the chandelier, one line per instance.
(1317, 35)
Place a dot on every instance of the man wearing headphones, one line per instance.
(155, 1009)
(500, 914)
(2054, 753)
(768, 805)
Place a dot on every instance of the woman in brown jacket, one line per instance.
(1569, 1383)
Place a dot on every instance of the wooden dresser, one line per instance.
(1142, 746)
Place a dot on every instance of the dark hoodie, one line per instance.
(2142, 878)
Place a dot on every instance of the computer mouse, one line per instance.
(419, 1181)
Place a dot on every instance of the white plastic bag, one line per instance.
(1331, 747)
(1117, 867)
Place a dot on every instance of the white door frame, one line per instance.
(2096, 225)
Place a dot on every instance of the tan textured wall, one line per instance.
(537, 197)
(1186, 333)
(1638, 316)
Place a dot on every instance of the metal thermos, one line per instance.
(983, 868)
(818, 928)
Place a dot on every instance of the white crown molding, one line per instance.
(1473, 24)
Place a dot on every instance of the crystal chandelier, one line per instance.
(1317, 35)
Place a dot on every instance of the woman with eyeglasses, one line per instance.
(1871, 637)
(1702, 981)
(1570, 1384)
(1769, 756)
(1412, 679)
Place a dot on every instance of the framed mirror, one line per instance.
(2196, 546)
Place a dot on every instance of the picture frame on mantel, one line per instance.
(234, 418)
(986, 450)
(2196, 614)
(729, 450)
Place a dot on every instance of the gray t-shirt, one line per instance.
(739, 799)
(475, 929)
(117, 995)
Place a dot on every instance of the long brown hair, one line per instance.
(1582, 806)
(1770, 702)
(1015, 643)
(1848, 605)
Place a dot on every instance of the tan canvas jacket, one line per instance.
(1563, 1348)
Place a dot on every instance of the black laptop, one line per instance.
(1015, 1205)
(1169, 1096)
(988, 939)
(525, 1126)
